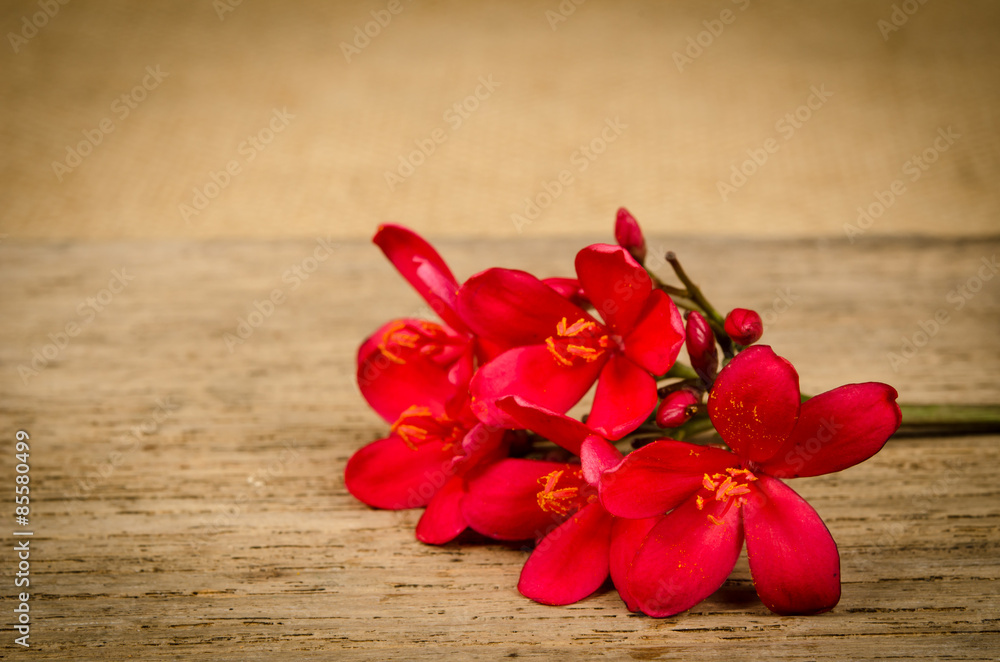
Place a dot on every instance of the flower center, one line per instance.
(555, 499)
(403, 339)
(579, 340)
(418, 425)
(730, 487)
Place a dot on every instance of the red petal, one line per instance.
(755, 402)
(793, 558)
(685, 558)
(389, 474)
(838, 429)
(558, 428)
(571, 562)
(658, 477)
(533, 374)
(598, 455)
(657, 339)
(423, 268)
(615, 283)
(513, 307)
(391, 387)
(443, 519)
(627, 535)
(568, 288)
(625, 397)
(502, 501)
(482, 444)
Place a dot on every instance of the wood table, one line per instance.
(187, 493)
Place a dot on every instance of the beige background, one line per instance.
(325, 173)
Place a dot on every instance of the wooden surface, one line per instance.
(684, 129)
(223, 530)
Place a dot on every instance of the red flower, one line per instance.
(716, 498)
(424, 462)
(559, 350)
(579, 542)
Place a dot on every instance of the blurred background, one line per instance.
(267, 119)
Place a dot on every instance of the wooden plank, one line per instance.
(222, 528)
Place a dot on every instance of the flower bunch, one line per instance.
(480, 438)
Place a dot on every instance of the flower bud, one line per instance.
(701, 347)
(628, 234)
(744, 326)
(677, 407)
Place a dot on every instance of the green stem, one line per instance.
(694, 292)
(946, 420)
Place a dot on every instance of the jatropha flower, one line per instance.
(560, 350)
(425, 461)
(415, 374)
(578, 542)
(714, 499)
(414, 362)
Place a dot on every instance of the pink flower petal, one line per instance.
(685, 558)
(657, 477)
(838, 429)
(625, 397)
(571, 562)
(533, 374)
(443, 519)
(389, 474)
(554, 426)
(793, 558)
(502, 500)
(418, 262)
(627, 536)
(657, 338)
(598, 455)
(755, 402)
(615, 283)
(514, 308)
(394, 380)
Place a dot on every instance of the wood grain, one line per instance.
(188, 500)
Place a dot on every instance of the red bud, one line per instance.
(701, 347)
(677, 407)
(628, 234)
(744, 326)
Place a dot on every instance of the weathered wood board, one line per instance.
(188, 500)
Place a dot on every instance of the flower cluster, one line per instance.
(639, 489)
